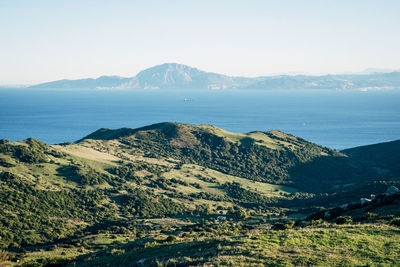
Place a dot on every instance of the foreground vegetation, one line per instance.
(326, 245)
(175, 194)
(231, 244)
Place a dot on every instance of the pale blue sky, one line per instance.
(49, 40)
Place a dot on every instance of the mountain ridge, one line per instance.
(176, 76)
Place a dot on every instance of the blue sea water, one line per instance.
(337, 119)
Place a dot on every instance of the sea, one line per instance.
(334, 118)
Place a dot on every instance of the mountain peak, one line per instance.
(172, 65)
(173, 75)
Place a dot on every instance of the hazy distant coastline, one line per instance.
(179, 76)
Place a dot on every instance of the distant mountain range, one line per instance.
(178, 76)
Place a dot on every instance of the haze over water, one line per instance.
(337, 119)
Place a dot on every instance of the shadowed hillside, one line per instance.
(384, 157)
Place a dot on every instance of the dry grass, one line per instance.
(4, 258)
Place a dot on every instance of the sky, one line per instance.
(46, 40)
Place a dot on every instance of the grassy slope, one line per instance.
(189, 173)
(272, 157)
(181, 181)
(346, 245)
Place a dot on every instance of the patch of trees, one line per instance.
(33, 152)
(208, 196)
(161, 183)
(140, 203)
(29, 216)
(84, 175)
(127, 171)
(247, 198)
(304, 168)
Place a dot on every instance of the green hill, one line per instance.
(120, 195)
(272, 157)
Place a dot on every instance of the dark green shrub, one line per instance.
(170, 238)
(395, 221)
(282, 225)
(343, 220)
(237, 213)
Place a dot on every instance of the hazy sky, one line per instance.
(49, 40)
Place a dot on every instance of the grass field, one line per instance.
(325, 245)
